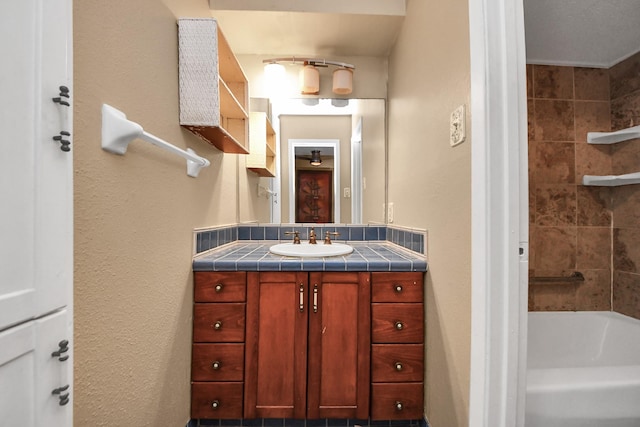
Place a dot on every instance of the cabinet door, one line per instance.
(36, 254)
(29, 374)
(276, 345)
(339, 345)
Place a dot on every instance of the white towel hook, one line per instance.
(118, 132)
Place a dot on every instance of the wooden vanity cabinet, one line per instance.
(217, 368)
(397, 350)
(308, 345)
(308, 342)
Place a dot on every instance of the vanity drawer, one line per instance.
(391, 401)
(219, 286)
(217, 362)
(396, 287)
(213, 322)
(397, 362)
(216, 400)
(397, 323)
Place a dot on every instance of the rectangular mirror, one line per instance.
(349, 185)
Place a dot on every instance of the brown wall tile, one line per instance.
(594, 206)
(554, 120)
(531, 128)
(625, 203)
(529, 81)
(592, 84)
(625, 157)
(594, 294)
(594, 248)
(560, 297)
(626, 251)
(625, 77)
(625, 111)
(591, 116)
(626, 293)
(556, 204)
(555, 249)
(592, 160)
(552, 82)
(553, 162)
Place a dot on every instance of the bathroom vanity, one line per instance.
(307, 344)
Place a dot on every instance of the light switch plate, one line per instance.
(457, 127)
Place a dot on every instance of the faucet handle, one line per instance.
(327, 238)
(312, 236)
(296, 237)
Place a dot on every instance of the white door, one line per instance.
(35, 365)
(35, 173)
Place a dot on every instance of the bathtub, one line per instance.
(583, 370)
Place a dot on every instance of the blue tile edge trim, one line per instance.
(211, 238)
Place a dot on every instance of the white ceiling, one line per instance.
(595, 33)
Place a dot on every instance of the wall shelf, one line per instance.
(214, 94)
(262, 143)
(613, 137)
(611, 180)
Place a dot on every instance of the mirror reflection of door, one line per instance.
(314, 196)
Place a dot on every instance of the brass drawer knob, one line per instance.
(399, 406)
(399, 326)
(215, 404)
(218, 325)
(398, 366)
(216, 365)
(398, 288)
(219, 287)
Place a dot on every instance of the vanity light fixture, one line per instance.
(315, 158)
(309, 77)
(309, 80)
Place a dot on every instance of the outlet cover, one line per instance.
(457, 126)
(390, 212)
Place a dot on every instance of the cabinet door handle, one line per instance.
(399, 406)
(219, 287)
(218, 325)
(315, 298)
(397, 288)
(301, 297)
(399, 326)
(398, 366)
(216, 365)
(215, 404)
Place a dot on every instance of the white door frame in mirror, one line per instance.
(314, 143)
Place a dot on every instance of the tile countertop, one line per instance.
(255, 256)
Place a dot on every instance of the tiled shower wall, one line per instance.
(594, 230)
(625, 112)
(570, 225)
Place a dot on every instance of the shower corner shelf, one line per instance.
(611, 180)
(612, 138)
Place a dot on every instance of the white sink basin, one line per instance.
(307, 250)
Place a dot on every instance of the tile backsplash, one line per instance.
(211, 238)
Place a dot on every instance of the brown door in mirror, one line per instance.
(314, 196)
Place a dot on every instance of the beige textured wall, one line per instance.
(134, 217)
(316, 127)
(430, 185)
